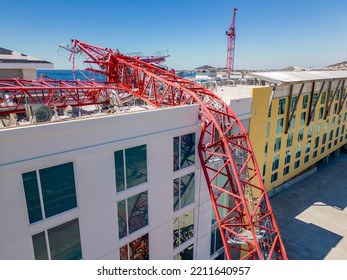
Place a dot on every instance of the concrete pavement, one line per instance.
(312, 214)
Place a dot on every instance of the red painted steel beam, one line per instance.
(15, 93)
(246, 222)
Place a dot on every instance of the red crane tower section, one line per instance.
(231, 44)
(242, 208)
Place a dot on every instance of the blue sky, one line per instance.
(270, 34)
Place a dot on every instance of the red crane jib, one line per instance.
(241, 205)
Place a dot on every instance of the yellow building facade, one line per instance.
(297, 119)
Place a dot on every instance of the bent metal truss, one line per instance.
(242, 208)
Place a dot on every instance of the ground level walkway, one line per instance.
(312, 214)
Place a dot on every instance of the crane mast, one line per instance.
(241, 205)
(231, 34)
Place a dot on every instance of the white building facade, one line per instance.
(123, 186)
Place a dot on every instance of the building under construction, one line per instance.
(151, 166)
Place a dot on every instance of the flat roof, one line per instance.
(290, 77)
(12, 60)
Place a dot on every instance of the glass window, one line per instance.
(266, 147)
(324, 138)
(275, 162)
(314, 154)
(292, 123)
(132, 214)
(319, 128)
(268, 130)
(308, 147)
(184, 191)
(186, 254)
(293, 102)
(298, 151)
(316, 142)
(301, 135)
(57, 185)
(286, 170)
(290, 139)
(287, 157)
(331, 135)
(32, 196)
(216, 241)
(277, 145)
(322, 101)
(310, 131)
(281, 106)
(279, 127)
(40, 246)
(183, 151)
(302, 118)
(270, 109)
(264, 168)
(322, 150)
(183, 228)
(321, 112)
(296, 164)
(130, 167)
(306, 158)
(305, 101)
(136, 250)
(326, 125)
(274, 177)
(64, 242)
(58, 188)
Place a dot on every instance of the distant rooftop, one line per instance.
(13, 60)
(296, 77)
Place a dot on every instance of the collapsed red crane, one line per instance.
(246, 223)
(241, 205)
(231, 34)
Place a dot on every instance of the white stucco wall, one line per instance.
(90, 145)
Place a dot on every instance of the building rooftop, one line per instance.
(297, 77)
(13, 60)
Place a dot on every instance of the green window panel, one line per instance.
(122, 219)
(216, 241)
(183, 228)
(136, 165)
(183, 191)
(58, 188)
(187, 150)
(137, 212)
(64, 242)
(186, 254)
(281, 106)
(132, 214)
(290, 139)
(32, 196)
(40, 246)
(183, 151)
(130, 167)
(53, 188)
(279, 127)
(119, 164)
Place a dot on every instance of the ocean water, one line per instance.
(71, 75)
(67, 75)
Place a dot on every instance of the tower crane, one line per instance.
(231, 34)
(245, 219)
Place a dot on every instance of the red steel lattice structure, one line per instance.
(231, 34)
(242, 208)
(246, 222)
